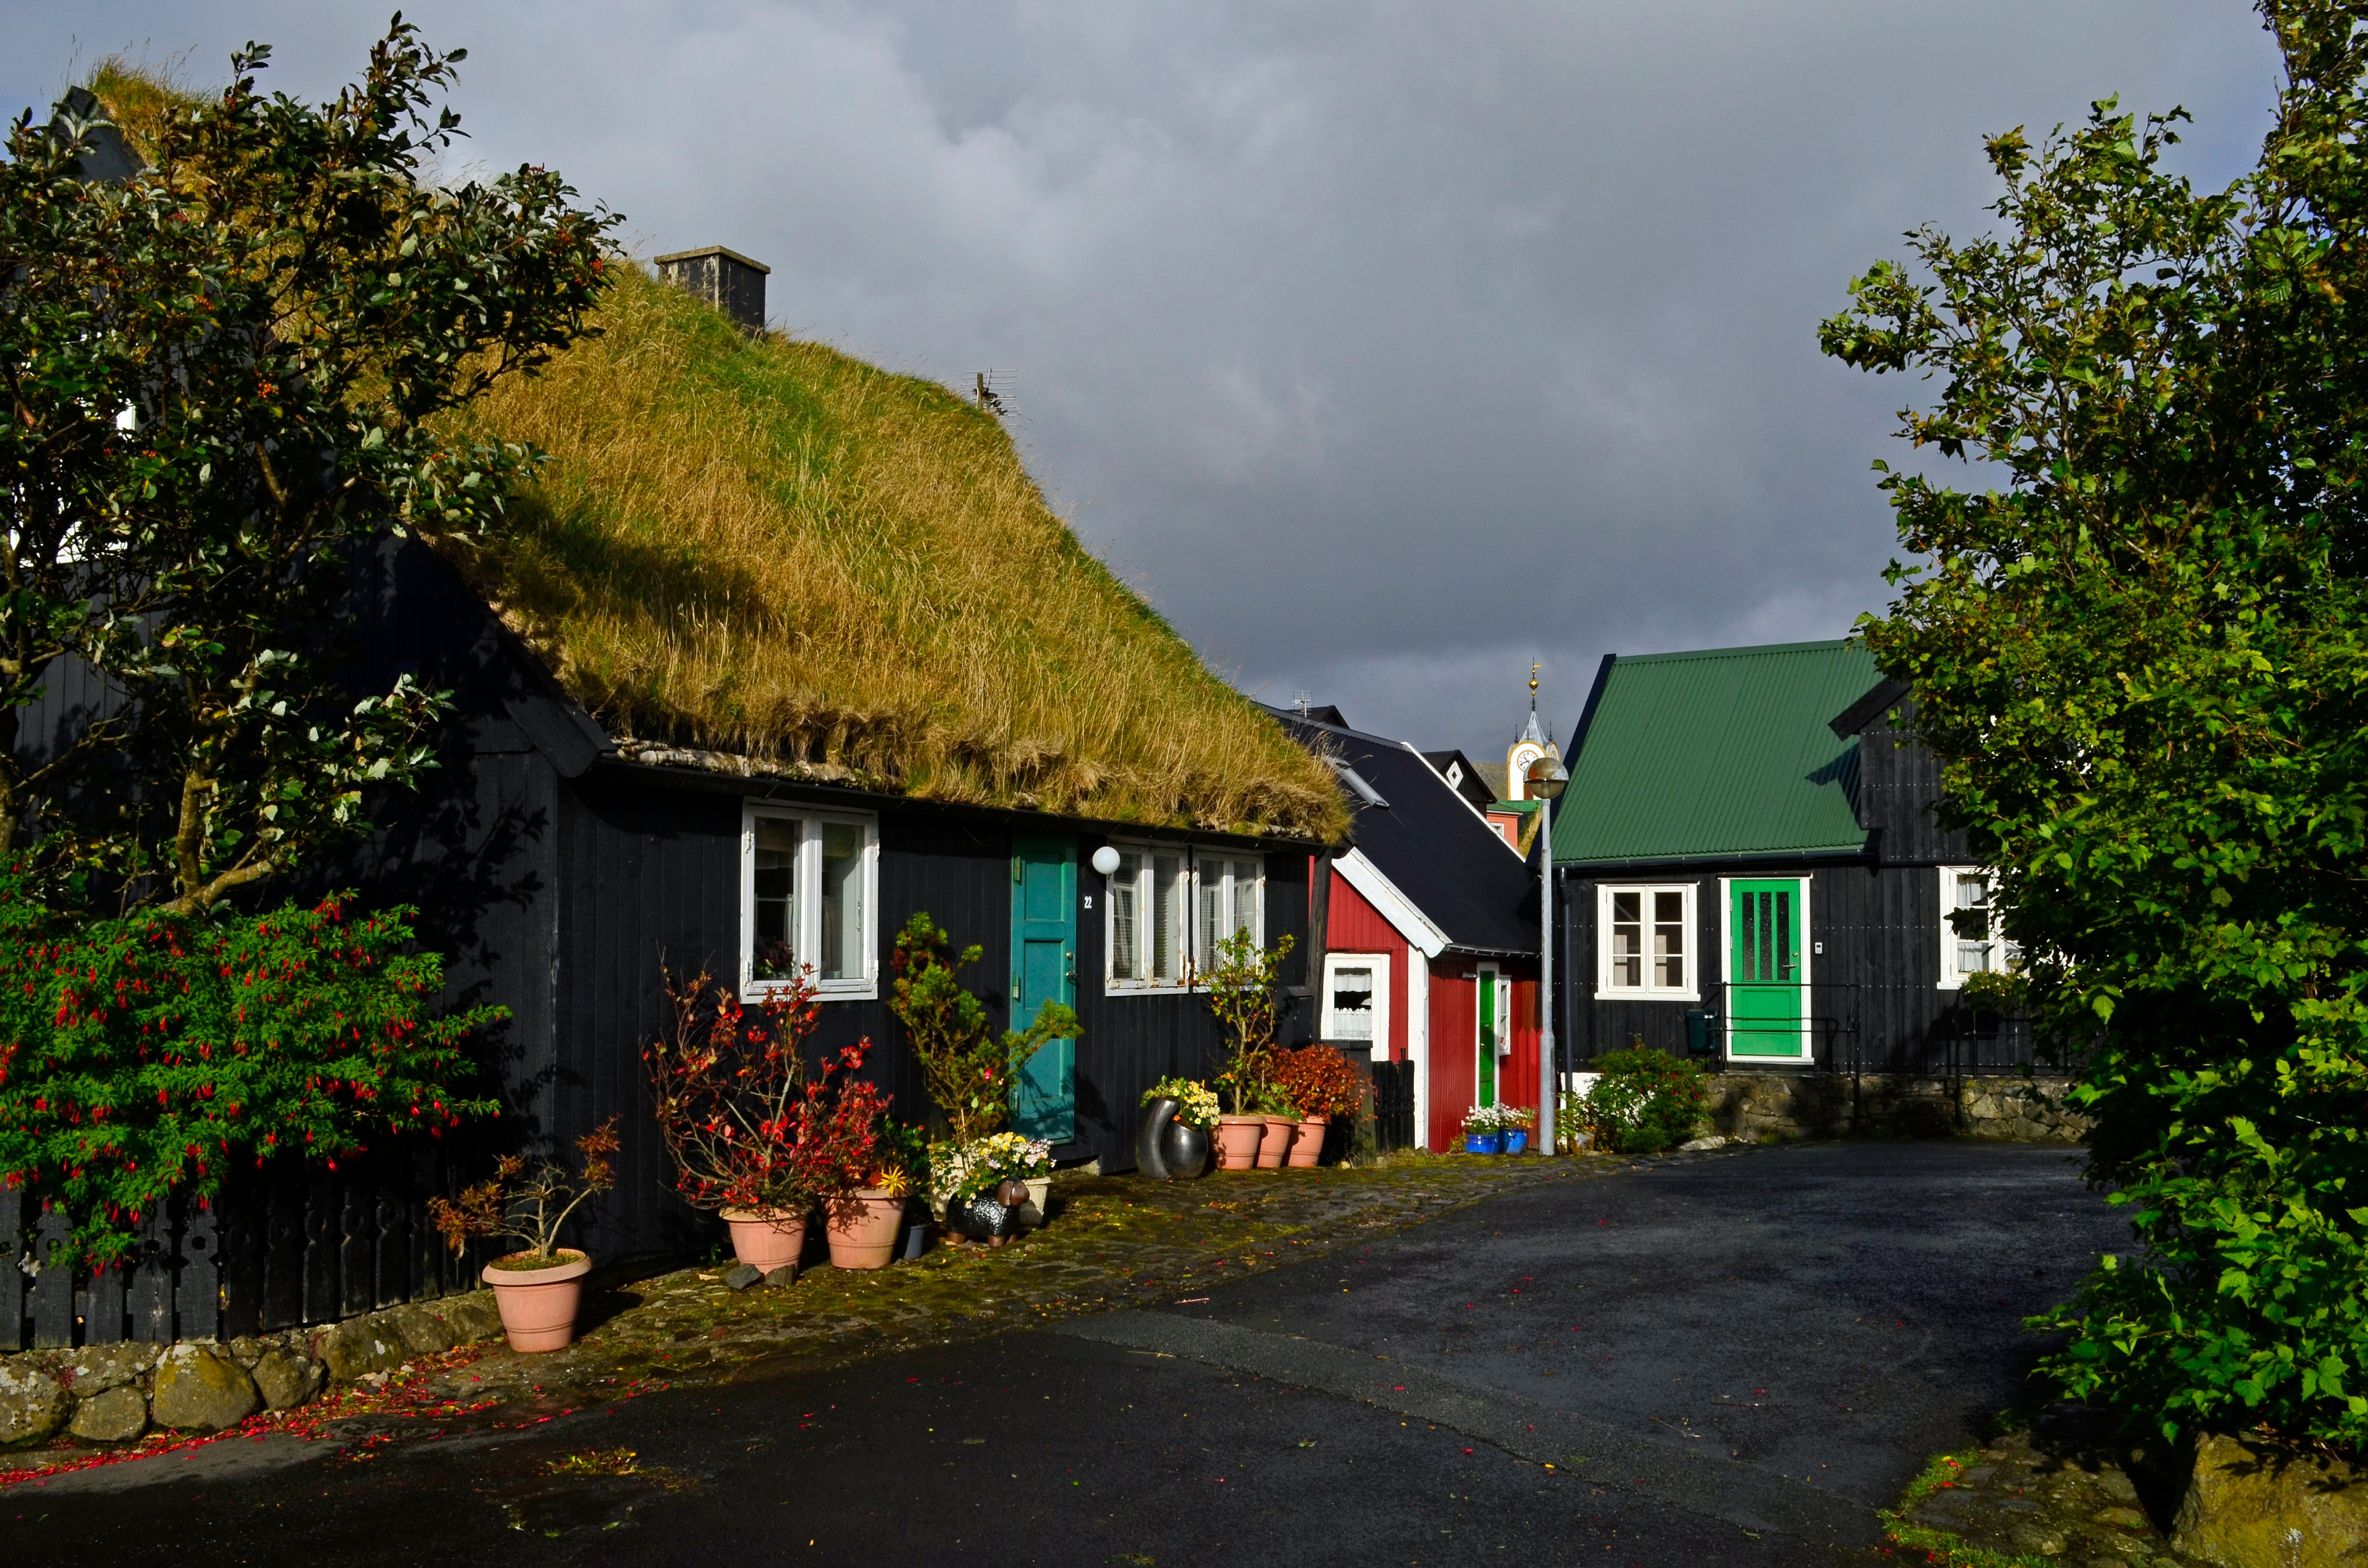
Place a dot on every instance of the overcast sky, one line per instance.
(1386, 347)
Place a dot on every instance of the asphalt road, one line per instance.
(1727, 1360)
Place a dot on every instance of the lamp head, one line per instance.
(1106, 860)
(1547, 779)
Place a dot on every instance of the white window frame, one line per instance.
(1648, 992)
(1200, 862)
(807, 944)
(1380, 964)
(1952, 977)
(1188, 914)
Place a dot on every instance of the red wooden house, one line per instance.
(1430, 940)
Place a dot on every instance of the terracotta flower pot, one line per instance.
(864, 1228)
(538, 1305)
(1276, 1146)
(1238, 1138)
(766, 1241)
(1309, 1145)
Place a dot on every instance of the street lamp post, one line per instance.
(1547, 779)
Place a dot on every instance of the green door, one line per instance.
(1045, 968)
(1484, 1086)
(1764, 977)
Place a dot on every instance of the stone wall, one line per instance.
(113, 1393)
(1759, 1108)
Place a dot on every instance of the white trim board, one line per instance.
(1403, 915)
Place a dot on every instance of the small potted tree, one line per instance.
(1317, 1082)
(539, 1287)
(729, 1091)
(967, 1068)
(1241, 986)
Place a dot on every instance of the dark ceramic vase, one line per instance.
(1151, 1139)
(1184, 1151)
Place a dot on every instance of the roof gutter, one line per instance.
(1765, 858)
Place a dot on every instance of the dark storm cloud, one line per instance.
(1386, 347)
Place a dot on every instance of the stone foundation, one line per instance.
(113, 1393)
(1762, 1108)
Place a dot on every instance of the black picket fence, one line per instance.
(285, 1247)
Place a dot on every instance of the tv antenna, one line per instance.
(990, 394)
(1303, 701)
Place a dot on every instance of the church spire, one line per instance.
(1531, 743)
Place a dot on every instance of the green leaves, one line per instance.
(284, 311)
(140, 1054)
(2143, 658)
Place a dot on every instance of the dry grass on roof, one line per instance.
(770, 549)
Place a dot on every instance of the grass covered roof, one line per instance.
(769, 549)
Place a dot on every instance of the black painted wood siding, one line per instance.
(1899, 786)
(1875, 991)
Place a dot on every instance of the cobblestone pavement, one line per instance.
(2057, 1492)
(1108, 1242)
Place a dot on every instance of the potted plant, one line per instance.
(976, 1183)
(1171, 1142)
(729, 1091)
(1481, 1135)
(539, 1287)
(1241, 983)
(1513, 1122)
(1317, 1081)
(967, 1069)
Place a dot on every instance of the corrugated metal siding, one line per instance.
(1723, 751)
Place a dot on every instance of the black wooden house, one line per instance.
(580, 833)
(1748, 869)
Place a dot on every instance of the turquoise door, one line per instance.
(1765, 980)
(1045, 968)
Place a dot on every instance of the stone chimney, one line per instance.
(724, 278)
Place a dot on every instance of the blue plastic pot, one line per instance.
(1516, 1140)
(1484, 1142)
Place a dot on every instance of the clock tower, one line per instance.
(1531, 745)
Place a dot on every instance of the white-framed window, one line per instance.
(1973, 928)
(1232, 888)
(809, 896)
(1645, 941)
(1170, 904)
(1357, 999)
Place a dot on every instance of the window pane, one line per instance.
(1249, 916)
(1352, 1004)
(1971, 931)
(1213, 909)
(1784, 941)
(1166, 922)
(1125, 893)
(1669, 940)
(773, 938)
(1627, 939)
(842, 902)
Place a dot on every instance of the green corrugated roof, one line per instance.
(1724, 752)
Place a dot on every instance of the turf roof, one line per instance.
(1718, 754)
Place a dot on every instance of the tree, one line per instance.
(224, 377)
(1243, 986)
(967, 1068)
(2142, 655)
